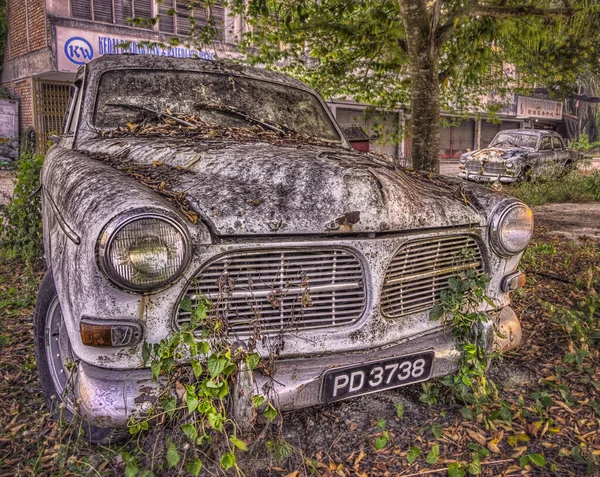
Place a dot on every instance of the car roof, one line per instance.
(131, 61)
(531, 132)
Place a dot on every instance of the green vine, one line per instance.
(197, 397)
(460, 310)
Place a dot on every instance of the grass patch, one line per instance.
(570, 188)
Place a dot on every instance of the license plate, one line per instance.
(376, 376)
(483, 178)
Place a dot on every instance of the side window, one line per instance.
(546, 144)
(73, 112)
(557, 142)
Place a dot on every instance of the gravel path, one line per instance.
(6, 186)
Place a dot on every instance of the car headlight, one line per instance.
(143, 252)
(509, 165)
(511, 228)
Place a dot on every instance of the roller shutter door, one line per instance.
(489, 130)
(457, 139)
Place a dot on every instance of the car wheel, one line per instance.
(53, 355)
(567, 169)
(527, 175)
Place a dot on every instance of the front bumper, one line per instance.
(108, 398)
(470, 176)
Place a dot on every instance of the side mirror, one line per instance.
(54, 138)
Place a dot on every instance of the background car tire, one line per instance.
(567, 169)
(527, 175)
(47, 317)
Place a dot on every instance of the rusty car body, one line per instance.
(519, 154)
(328, 257)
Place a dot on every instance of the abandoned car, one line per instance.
(182, 181)
(519, 154)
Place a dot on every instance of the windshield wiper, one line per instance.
(498, 144)
(158, 114)
(240, 114)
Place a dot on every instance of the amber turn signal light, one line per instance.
(513, 281)
(112, 334)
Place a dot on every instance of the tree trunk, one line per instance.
(419, 27)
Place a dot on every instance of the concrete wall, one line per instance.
(22, 91)
(9, 129)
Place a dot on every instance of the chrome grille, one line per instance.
(494, 168)
(473, 166)
(420, 271)
(281, 290)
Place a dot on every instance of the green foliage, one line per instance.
(382, 440)
(280, 449)
(570, 188)
(461, 310)
(536, 459)
(195, 397)
(413, 454)
(20, 220)
(361, 47)
(583, 144)
(433, 455)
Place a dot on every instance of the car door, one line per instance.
(561, 154)
(543, 163)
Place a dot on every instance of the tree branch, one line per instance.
(474, 9)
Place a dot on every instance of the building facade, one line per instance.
(48, 40)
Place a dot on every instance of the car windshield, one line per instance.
(214, 100)
(504, 139)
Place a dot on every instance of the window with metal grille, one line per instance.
(180, 16)
(119, 12)
(50, 101)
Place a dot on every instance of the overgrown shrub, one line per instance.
(20, 220)
(583, 144)
(571, 188)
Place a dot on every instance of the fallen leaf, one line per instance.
(480, 439)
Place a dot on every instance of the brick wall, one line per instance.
(27, 27)
(27, 32)
(37, 25)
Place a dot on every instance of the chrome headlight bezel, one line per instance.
(496, 223)
(111, 231)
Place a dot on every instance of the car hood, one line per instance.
(256, 188)
(497, 154)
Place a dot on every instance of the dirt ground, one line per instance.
(571, 220)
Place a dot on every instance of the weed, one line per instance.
(571, 188)
(460, 307)
(20, 220)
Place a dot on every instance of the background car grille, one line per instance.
(420, 271)
(494, 168)
(473, 166)
(270, 291)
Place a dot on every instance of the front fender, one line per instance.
(81, 195)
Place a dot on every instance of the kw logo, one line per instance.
(78, 50)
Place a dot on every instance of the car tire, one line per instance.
(52, 349)
(527, 175)
(567, 169)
